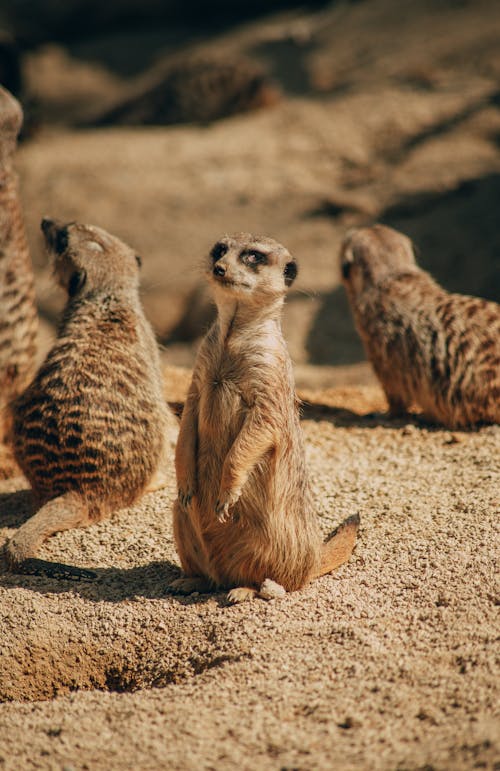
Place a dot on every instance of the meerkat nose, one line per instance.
(46, 224)
(56, 234)
(219, 270)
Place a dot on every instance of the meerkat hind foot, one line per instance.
(271, 590)
(241, 594)
(190, 585)
(36, 567)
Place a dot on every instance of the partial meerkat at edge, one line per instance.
(92, 431)
(244, 516)
(427, 346)
(18, 311)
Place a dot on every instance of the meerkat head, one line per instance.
(11, 118)
(371, 254)
(88, 259)
(253, 269)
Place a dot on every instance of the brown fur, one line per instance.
(245, 512)
(18, 314)
(438, 350)
(89, 432)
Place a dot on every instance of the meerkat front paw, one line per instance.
(185, 496)
(225, 503)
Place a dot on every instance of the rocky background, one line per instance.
(169, 123)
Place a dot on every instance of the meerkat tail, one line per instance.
(62, 513)
(339, 546)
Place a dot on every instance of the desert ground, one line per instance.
(392, 662)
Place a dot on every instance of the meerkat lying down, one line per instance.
(92, 430)
(427, 347)
(244, 517)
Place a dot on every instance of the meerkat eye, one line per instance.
(218, 251)
(290, 272)
(138, 260)
(253, 257)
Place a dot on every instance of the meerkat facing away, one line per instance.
(438, 350)
(92, 430)
(244, 516)
(18, 313)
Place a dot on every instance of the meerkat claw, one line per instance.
(185, 498)
(222, 511)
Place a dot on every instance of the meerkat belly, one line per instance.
(273, 533)
(221, 417)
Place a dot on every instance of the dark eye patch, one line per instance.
(253, 257)
(346, 268)
(76, 282)
(218, 251)
(290, 272)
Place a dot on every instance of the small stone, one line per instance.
(451, 438)
(270, 590)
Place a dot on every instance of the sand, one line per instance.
(389, 663)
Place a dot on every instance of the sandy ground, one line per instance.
(391, 663)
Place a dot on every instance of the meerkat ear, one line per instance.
(290, 272)
(77, 280)
(138, 260)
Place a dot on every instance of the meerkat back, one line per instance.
(437, 350)
(18, 313)
(91, 431)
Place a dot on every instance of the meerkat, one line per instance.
(194, 89)
(244, 519)
(92, 430)
(18, 312)
(428, 347)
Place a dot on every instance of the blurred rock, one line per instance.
(37, 21)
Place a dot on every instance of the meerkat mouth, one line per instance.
(230, 284)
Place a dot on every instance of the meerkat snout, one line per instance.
(56, 234)
(219, 270)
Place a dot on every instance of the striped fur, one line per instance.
(245, 511)
(18, 313)
(92, 429)
(438, 350)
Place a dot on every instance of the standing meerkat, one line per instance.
(92, 430)
(18, 312)
(428, 347)
(244, 517)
